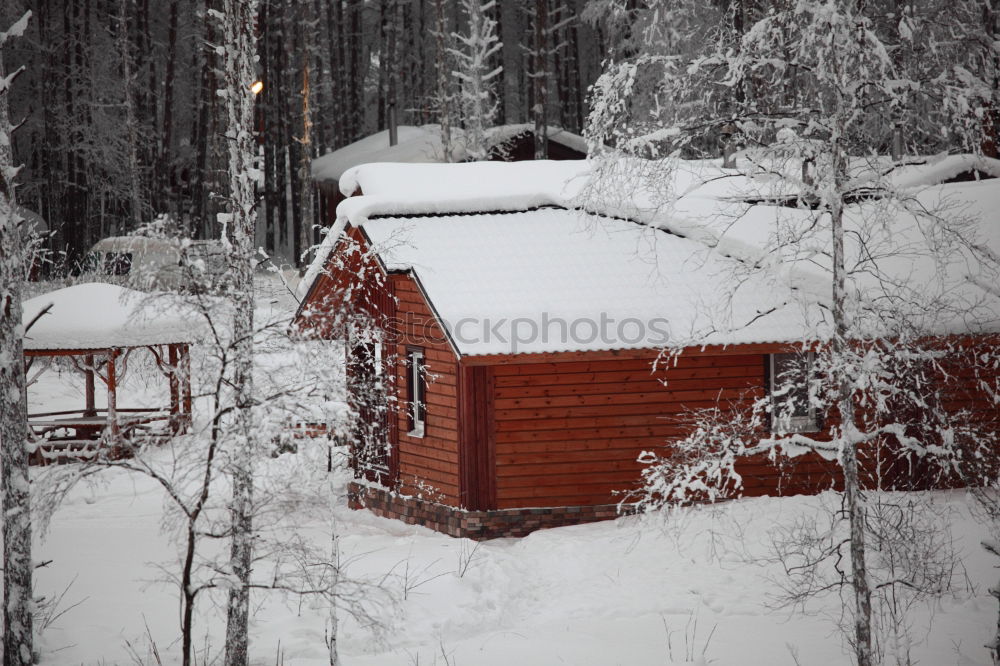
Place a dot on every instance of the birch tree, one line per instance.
(239, 42)
(18, 566)
(476, 78)
(879, 368)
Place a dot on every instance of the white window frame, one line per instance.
(807, 423)
(417, 407)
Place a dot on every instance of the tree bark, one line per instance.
(131, 129)
(334, 621)
(540, 79)
(166, 194)
(845, 404)
(443, 78)
(239, 25)
(306, 155)
(17, 570)
(204, 140)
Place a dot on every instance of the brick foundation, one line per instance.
(478, 525)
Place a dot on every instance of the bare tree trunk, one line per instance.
(306, 155)
(540, 76)
(443, 78)
(131, 129)
(356, 83)
(337, 32)
(392, 65)
(165, 193)
(991, 25)
(17, 570)
(849, 451)
(501, 84)
(203, 174)
(334, 621)
(240, 18)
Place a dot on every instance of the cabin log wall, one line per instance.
(428, 465)
(570, 433)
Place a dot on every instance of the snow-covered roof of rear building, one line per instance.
(415, 144)
(420, 145)
(101, 316)
(33, 222)
(503, 133)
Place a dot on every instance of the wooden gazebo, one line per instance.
(97, 328)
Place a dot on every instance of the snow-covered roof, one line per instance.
(724, 218)
(402, 189)
(100, 316)
(941, 168)
(415, 144)
(551, 280)
(503, 133)
(465, 187)
(421, 145)
(34, 222)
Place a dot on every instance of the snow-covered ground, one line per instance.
(693, 589)
(608, 593)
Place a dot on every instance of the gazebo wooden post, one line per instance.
(185, 383)
(112, 426)
(173, 356)
(90, 409)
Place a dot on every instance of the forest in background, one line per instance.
(120, 121)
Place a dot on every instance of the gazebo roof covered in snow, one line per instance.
(105, 316)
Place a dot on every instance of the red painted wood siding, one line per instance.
(569, 433)
(428, 465)
(334, 289)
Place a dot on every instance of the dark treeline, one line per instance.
(121, 121)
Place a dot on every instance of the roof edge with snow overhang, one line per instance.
(98, 315)
(707, 208)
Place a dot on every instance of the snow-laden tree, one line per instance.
(476, 48)
(18, 566)
(239, 43)
(294, 384)
(805, 92)
(443, 98)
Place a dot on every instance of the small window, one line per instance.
(416, 389)
(791, 409)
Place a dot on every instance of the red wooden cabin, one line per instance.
(507, 409)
